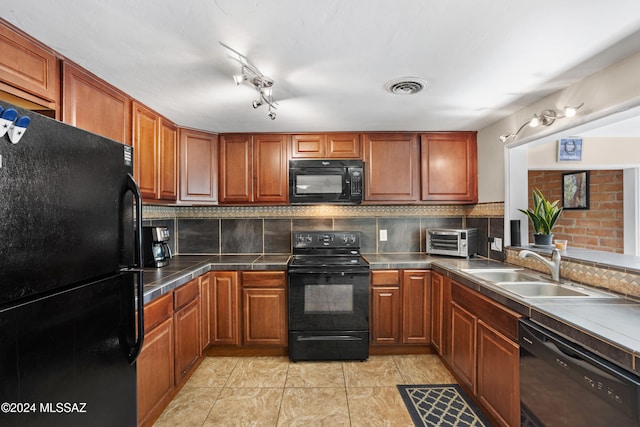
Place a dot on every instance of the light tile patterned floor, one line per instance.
(272, 391)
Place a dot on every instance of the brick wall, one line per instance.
(601, 226)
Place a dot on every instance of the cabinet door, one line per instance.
(168, 161)
(392, 167)
(463, 345)
(265, 311)
(224, 315)
(236, 168)
(205, 310)
(155, 371)
(187, 338)
(446, 319)
(145, 144)
(385, 315)
(27, 69)
(343, 146)
(270, 169)
(416, 307)
(198, 166)
(308, 146)
(449, 167)
(436, 311)
(498, 386)
(91, 104)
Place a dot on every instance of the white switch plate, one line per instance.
(383, 235)
(496, 245)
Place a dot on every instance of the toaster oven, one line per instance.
(461, 242)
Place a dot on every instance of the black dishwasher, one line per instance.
(563, 384)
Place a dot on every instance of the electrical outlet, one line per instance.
(383, 235)
(496, 245)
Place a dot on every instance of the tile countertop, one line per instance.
(606, 326)
(184, 268)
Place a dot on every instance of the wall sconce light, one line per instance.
(261, 83)
(545, 118)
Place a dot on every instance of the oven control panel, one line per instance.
(326, 239)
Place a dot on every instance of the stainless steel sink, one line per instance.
(502, 275)
(540, 289)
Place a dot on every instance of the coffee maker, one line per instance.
(155, 249)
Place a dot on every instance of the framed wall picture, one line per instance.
(570, 149)
(575, 190)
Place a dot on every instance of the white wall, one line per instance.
(597, 153)
(606, 92)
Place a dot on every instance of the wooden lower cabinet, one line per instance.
(416, 307)
(485, 354)
(155, 364)
(437, 284)
(463, 345)
(187, 330)
(385, 315)
(224, 300)
(400, 307)
(498, 375)
(205, 310)
(264, 308)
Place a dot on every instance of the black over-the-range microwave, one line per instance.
(326, 181)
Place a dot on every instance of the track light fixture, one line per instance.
(545, 118)
(261, 83)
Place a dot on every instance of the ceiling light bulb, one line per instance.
(535, 121)
(272, 115)
(570, 111)
(256, 103)
(239, 78)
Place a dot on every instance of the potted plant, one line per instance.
(543, 217)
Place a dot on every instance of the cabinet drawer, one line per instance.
(386, 277)
(157, 311)
(500, 318)
(185, 293)
(264, 279)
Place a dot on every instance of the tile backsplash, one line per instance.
(267, 229)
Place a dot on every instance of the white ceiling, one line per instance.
(330, 59)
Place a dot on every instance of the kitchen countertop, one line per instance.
(184, 268)
(606, 326)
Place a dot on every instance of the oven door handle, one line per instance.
(329, 338)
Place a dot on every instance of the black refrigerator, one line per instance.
(71, 322)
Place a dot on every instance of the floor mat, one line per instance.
(444, 405)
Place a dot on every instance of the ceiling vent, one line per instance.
(405, 85)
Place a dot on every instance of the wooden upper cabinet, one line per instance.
(309, 146)
(344, 146)
(392, 167)
(326, 146)
(198, 167)
(168, 163)
(28, 69)
(236, 168)
(253, 168)
(270, 169)
(146, 125)
(449, 167)
(155, 145)
(91, 104)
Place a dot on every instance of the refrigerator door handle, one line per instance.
(137, 345)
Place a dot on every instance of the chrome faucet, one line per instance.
(553, 265)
